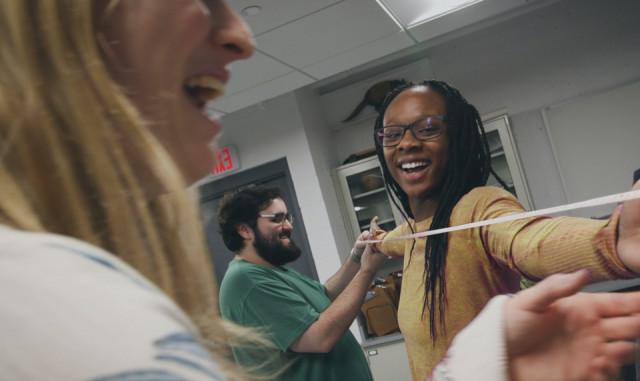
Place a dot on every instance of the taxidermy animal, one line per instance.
(375, 96)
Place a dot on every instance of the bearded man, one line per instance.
(307, 322)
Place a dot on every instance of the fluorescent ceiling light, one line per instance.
(411, 13)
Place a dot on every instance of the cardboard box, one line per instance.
(381, 312)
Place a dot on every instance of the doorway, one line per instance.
(275, 174)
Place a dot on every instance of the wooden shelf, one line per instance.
(377, 340)
(369, 193)
(497, 153)
(381, 222)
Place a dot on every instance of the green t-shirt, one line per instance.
(284, 303)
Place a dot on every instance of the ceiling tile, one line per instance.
(281, 85)
(276, 13)
(327, 33)
(359, 55)
(254, 71)
(464, 17)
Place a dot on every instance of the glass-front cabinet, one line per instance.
(504, 159)
(369, 197)
(364, 197)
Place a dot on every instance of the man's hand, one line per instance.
(358, 247)
(629, 233)
(552, 333)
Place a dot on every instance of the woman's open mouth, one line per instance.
(414, 170)
(202, 89)
(414, 166)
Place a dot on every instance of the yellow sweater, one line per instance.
(487, 261)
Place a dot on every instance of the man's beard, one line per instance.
(274, 250)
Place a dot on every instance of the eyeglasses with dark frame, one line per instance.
(278, 218)
(427, 128)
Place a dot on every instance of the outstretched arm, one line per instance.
(629, 233)
(541, 246)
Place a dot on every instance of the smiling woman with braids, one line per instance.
(435, 160)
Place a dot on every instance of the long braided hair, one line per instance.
(469, 166)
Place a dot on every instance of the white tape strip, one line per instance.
(611, 199)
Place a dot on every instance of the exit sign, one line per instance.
(226, 160)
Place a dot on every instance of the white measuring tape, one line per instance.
(605, 200)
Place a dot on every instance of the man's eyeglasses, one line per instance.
(278, 218)
(427, 128)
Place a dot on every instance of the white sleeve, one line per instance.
(478, 352)
(70, 311)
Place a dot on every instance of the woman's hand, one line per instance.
(372, 259)
(629, 233)
(554, 334)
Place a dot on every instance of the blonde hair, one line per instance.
(78, 159)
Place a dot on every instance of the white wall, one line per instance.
(595, 139)
(322, 151)
(536, 158)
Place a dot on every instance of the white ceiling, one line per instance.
(300, 42)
